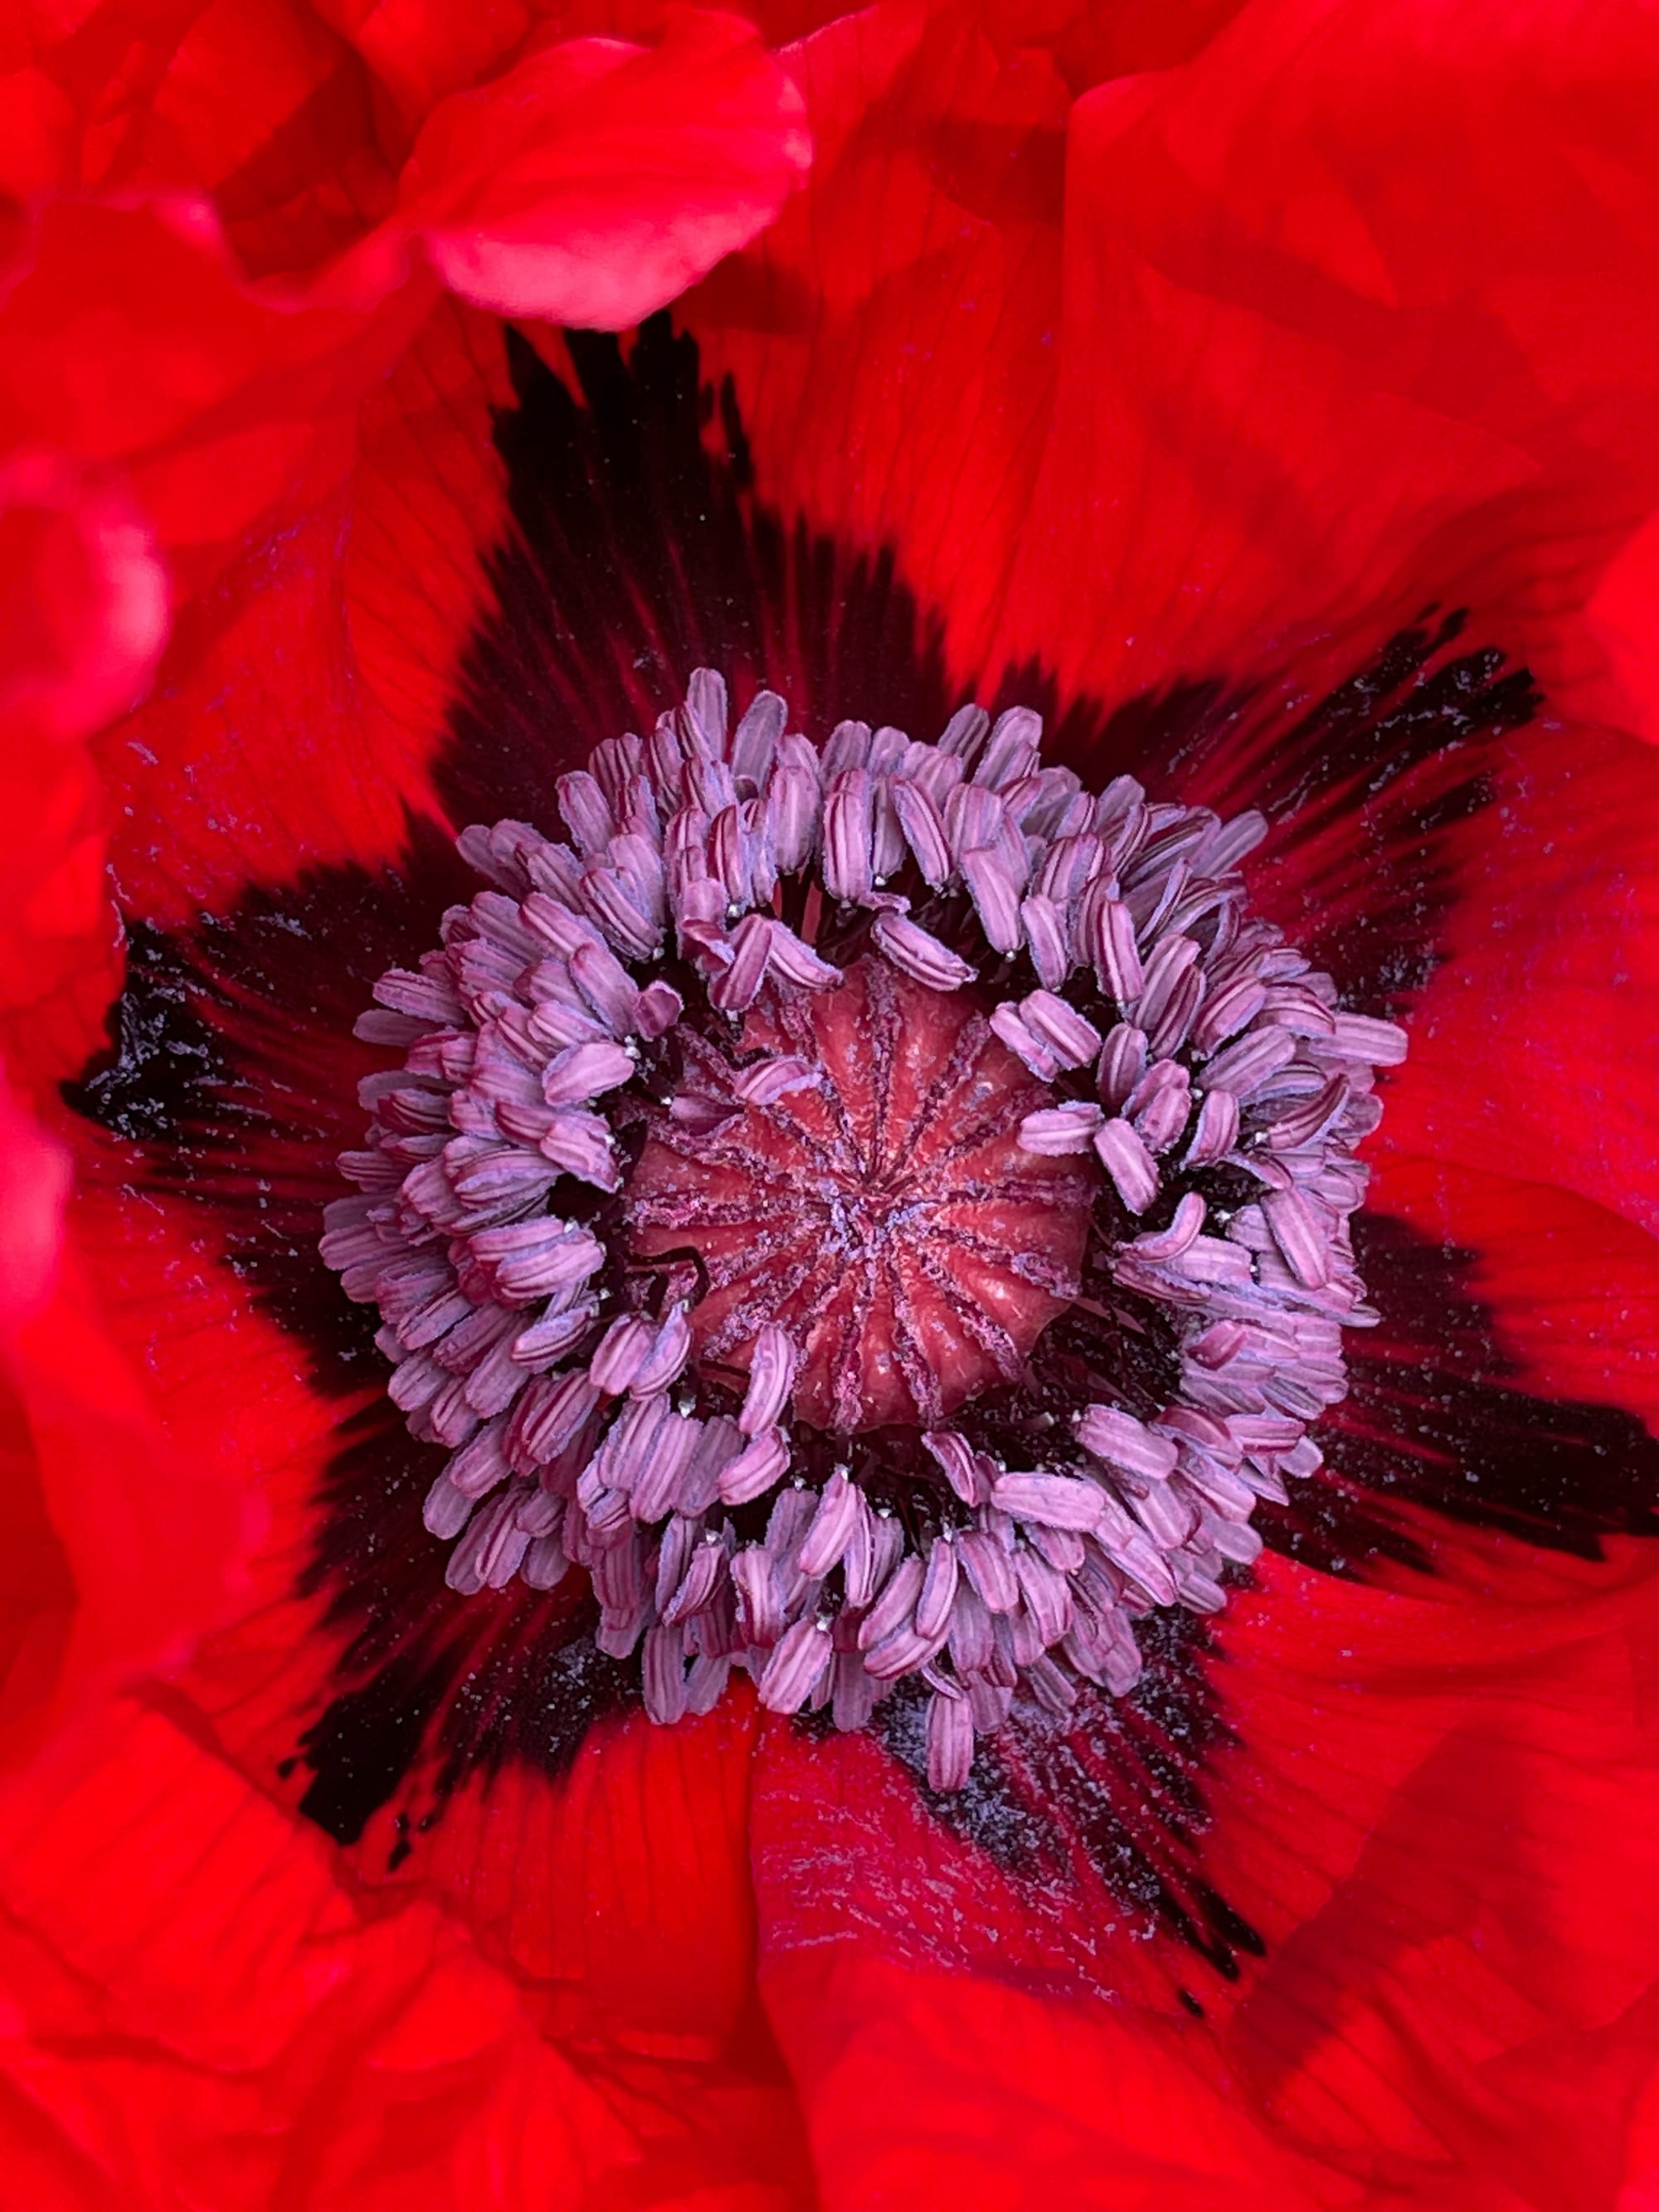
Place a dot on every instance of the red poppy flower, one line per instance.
(1264, 397)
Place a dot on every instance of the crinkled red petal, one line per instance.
(361, 2050)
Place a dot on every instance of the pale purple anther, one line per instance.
(585, 1070)
(662, 1674)
(738, 986)
(1009, 1024)
(986, 1562)
(950, 1741)
(994, 889)
(581, 1144)
(530, 1258)
(923, 829)
(1112, 947)
(795, 962)
(832, 1525)
(660, 1006)
(753, 1471)
(1044, 924)
(769, 1080)
(664, 1361)
(1122, 1152)
(1216, 1130)
(754, 742)
(918, 953)
(847, 826)
(701, 1578)
(1375, 1043)
(772, 1365)
(1124, 1441)
(1185, 1227)
(1299, 1234)
(760, 1596)
(795, 1668)
(793, 801)
(1055, 1501)
(1056, 1131)
(939, 1588)
(896, 1604)
(962, 1466)
(1160, 1104)
(622, 1352)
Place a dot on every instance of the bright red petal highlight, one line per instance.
(34, 1176)
(597, 180)
(86, 604)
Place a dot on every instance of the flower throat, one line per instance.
(879, 1211)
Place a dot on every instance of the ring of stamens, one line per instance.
(640, 1011)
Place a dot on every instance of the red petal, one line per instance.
(421, 50)
(1622, 617)
(235, 2017)
(892, 338)
(34, 1184)
(1576, 1286)
(597, 180)
(85, 605)
(255, 101)
(303, 695)
(1464, 1873)
(1252, 380)
(924, 2086)
(128, 334)
(1328, 345)
(1527, 1055)
(1441, 1815)
(117, 1551)
(613, 1904)
(85, 613)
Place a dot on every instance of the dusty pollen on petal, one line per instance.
(887, 1215)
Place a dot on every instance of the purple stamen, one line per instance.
(776, 1242)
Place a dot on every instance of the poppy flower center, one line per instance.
(880, 1211)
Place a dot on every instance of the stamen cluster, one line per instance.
(650, 981)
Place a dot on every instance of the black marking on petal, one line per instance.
(165, 1055)
(431, 1686)
(1437, 1417)
(1106, 1799)
(1378, 771)
(641, 553)
(1360, 787)
(234, 1069)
